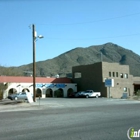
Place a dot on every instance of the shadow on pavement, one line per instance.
(10, 102)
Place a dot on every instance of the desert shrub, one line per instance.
(2, 88)
(1, 95)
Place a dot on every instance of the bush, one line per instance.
(2, 88)
(1, 95)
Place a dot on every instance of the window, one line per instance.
(121, 75)
(125, 89)
(126, 75)
(77, 75)
(116, 74)
(109, 74)
(113, 74)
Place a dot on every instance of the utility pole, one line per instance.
(101, 56)
(34, 65)
(35, 37)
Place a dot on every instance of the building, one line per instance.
(45, 87)
(85, 77)
(93, 77)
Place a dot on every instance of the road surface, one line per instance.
(72, 119)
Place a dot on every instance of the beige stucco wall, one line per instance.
(119, 83)
(137, 79)
(20, 86)
(94, 75)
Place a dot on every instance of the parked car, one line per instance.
(78, 94)
(75, 94)
(71, 95)
(90, 93)
(18, 96)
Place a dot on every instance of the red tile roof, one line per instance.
(21, 79)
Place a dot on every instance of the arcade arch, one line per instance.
(25, 90)
(12, 91)
(38, 92)
(69, 91)
(59, 93)
(49, 93)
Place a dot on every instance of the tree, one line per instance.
(2, 88)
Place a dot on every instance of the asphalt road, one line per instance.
(72, 119)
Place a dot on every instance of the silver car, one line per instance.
(18, 96)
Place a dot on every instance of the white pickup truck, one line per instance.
(90, 93)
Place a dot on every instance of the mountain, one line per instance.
(63, 63)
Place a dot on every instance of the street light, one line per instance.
(35, 37)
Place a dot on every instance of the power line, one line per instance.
(88, 22)
(117, 36)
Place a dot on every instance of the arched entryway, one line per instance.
(70, 90)
(38, 92)
(49, 93)
(25, 90)
(59, 93)
(136, 88)
(12, 91)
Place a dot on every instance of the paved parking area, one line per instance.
(8, 105)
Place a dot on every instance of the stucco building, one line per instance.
(45, 87)
(85, 77)
(93, 77)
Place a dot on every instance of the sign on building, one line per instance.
(29, 97)
(109, 82)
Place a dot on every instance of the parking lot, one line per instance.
(11, 105)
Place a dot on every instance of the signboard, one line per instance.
(39, 85)
(29, 97)
(48, 85)
(60, 85)
(109, 82)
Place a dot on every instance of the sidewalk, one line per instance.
(50, 103)
(12, 105)
(8, 101)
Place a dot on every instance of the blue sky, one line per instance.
(65, 24)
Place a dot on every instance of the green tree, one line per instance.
(2, 88)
